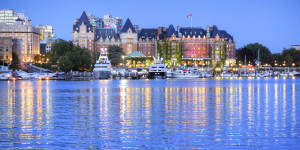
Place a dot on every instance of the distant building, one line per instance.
(8, 16)
(9, 46)
(6, 45)
(46, 32)
(18, 26)
(106, 38)
(297, 47)
(185, 46)
(147, 39)
(83, 33)
(128, 37)
(110, 22)
(197, 46)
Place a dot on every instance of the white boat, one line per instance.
(5, 76)
(157, 69)
(226, 75)
(283, 74)
(170, 73)
(186, 73)
(206, 75)
(5, 73)
(102, 68)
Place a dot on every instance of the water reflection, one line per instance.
(150, 114)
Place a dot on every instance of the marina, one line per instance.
(150, 114)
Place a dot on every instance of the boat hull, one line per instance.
(102, 74)
(157, 75)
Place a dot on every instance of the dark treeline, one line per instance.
(288, 57)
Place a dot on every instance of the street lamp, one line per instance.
(293, 64)
(123, 60)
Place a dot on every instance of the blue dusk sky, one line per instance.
(273, 23)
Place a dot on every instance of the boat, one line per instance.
(157, 69)
(206, 75)
(102, 68)
(283, 74)
(226, 75)
(5, 73)
(170, 73)
(186, 73)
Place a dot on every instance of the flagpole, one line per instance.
(191, 22)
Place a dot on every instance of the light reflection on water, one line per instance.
(150, 114)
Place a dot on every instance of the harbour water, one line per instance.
(150, 114)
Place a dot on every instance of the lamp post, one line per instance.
(123, 60)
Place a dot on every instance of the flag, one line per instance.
(188, 16)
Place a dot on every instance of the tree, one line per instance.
(115, 54)
(80, 58)
(290, 56)
(251, 53)
(64, 63)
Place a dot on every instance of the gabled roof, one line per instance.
(192, 31)
(150, 33)
(128, 25)
(83, 19)
(171, 30)
(107, 34)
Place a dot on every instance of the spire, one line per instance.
(171, 30)
(128, 25)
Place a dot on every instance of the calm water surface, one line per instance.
(150, 114)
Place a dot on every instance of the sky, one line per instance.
(273, 23)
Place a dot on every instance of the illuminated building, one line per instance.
(128, 37)
(98, 34)
(190, 46)
(46, 32)
(18, 27)
(83, 33)
(8, 46)
(147, 42)
(8, 16)
(196, 45)
(29, 35)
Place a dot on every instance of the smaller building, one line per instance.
(128, 37)
(297, 47)
(147, 42)
(46, 32)
(9, 16)
(6, 45)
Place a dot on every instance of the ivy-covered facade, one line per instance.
(196, 46)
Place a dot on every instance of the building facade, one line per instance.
(26, 37)
(196, 46)
(147, 42)
(98, 34)
(9, 16)
(184, 46)
(46, 32)
(6, 46)
(29, 36)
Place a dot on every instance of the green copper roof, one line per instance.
(136, 54)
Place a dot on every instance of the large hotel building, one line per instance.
(184, 45)
(15, 26)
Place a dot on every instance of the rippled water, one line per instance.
(150, 114)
